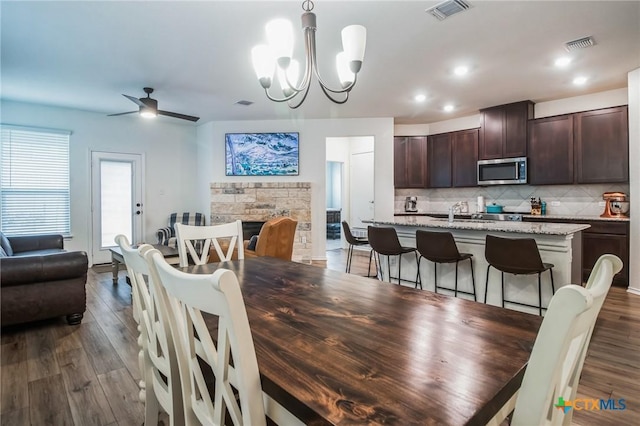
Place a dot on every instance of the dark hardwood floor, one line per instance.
(56, 374)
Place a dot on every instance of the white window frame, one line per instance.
(34, 189)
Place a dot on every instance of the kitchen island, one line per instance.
(559, 244)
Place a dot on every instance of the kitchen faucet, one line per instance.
(453, 209)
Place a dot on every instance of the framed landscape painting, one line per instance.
(262, 154)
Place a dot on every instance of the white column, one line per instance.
(634, 180)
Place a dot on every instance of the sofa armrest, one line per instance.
(164, 235)
(50, 267)
(36, 242)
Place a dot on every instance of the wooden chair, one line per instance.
(275, 239)
(237, 393)
(559, 351)
(188, 235)
(158, 362)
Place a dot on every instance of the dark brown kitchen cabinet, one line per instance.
(503, 130)
(439, 161)
(602, 237)
(410, 162)
(550, 150)
(464, 158)
(602, 145)
(452, 159)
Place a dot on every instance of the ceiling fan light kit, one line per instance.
(278, 54)
(148, 108)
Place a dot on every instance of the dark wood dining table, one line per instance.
(335, 348)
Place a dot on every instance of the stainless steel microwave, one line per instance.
(502, 171)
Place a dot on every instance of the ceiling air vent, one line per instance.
(244, 103)
(581, 43)
(447, 8)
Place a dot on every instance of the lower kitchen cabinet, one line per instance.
(603, 237)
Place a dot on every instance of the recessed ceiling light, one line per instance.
(579, 81)
(448, 108)
(420, 98)
(562, 61)
(461, 70)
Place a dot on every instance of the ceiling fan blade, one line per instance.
(121, 113)
(134, 100)
(176, 115)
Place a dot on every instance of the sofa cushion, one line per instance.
(38, 252)
(6, 245)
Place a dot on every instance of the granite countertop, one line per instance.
(549, 217)
(543, 228)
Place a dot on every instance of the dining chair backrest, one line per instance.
(384, 240)
(217, 294)
(437, 247)
(159, 368)
(513, 255)
(558, 354)
(187, 235)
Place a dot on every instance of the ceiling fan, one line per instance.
(148, 107)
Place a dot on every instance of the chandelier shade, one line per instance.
(276, 58)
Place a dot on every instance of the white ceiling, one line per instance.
(196, 55)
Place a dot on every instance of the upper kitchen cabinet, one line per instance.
(550, 150)
(439, 161)
(602, 145)
(464, 158)
(453, 159)
(410, 162)
(503, 130)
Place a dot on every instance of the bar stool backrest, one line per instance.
(439, 247)
(513, 255)
(349, 236)
(384, 240)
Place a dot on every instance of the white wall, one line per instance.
(168, 147)
(634, 180)
(313, 135)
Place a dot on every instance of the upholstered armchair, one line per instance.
(275, 239)
(167, 236)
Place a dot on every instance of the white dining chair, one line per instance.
(558, 354)
(161, 388)
(187, 235)
(217, 294)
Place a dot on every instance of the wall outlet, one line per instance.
(555, 203)
(304, 240)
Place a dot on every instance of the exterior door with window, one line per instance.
(117, 182)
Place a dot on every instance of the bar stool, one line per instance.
(519, 256)
(355, 241)
(384, 241)
(440, 247)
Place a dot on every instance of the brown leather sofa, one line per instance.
(40, 280)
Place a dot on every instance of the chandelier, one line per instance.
(278, 52)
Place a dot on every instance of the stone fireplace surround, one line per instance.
(261, 201)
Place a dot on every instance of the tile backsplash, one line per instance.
(566, 200)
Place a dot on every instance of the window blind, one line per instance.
(34, 181)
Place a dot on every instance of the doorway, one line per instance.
(356, 157)
(334, 204)
(116, 183)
